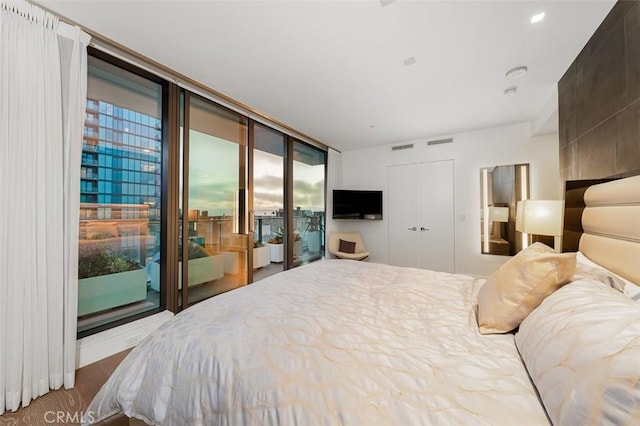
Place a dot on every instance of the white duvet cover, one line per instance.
(330, 343)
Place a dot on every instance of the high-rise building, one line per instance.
(121, 171)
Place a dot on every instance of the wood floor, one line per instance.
(65, 406)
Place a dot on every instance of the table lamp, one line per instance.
(541, 217)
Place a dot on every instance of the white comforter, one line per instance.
(333, 342)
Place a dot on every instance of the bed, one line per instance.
(354, 343)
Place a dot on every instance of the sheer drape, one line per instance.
(73, 55)
(43, 94)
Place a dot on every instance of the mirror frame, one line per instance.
(501, 187)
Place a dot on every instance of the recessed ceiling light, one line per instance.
(373, 126)
(409, 61)
(537, 18)
(516, 72)
(511, 90)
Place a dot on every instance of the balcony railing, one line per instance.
(309, 230)
(89, 147)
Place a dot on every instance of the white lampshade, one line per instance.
(540, 217)
(499, 214)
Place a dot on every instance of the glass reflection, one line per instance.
(217, 243)
(309, 204)
(120, 186)
(268, 200)
(501, 189)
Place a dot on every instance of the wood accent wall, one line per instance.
(599, 101)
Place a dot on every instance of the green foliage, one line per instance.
(314, 222)
(278, 239)
(100, 261)
(257, 244)
(195, 251)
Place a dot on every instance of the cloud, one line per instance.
(267, 201)
(216, 198)
(309, 196)
(268, 183)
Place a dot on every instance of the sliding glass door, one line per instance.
(309, 169)
(269, 222)
(212, 217)
(288, 202)
(120, 186)
(182, 199)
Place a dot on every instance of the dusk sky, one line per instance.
(213, 178)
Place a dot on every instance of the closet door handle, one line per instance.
(413, 228)
(422, 228)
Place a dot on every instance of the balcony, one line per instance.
(308, 233)
(88, 174)
(91, 147)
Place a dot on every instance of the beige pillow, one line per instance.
(520, 285)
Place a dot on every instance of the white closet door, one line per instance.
(404, 245)
(436, 213)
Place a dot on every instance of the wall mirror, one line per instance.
(501, 187)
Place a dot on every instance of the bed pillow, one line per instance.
(347, 246)
(581, 347)
(520, 285)
(599, 274)
(589, 269)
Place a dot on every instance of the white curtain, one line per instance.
(334, 181)
(43, 94)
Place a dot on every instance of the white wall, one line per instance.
(102, 345)
(367, 169)
(334, 181)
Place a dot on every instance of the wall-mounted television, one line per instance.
(357, 204)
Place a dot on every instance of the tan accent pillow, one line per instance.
(520, 285)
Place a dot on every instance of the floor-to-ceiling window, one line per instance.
(268, 201)
(167, 175)
(309, 170)
(213, 223)
(120, 187)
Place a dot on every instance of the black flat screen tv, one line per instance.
(356, 204)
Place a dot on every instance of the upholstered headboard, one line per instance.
(573, 208)
(611, 224)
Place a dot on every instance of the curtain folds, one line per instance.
(43, 87)
(73, 53)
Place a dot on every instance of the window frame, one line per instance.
(169, 187)
(164, 101)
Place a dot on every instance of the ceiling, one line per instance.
(336, 71)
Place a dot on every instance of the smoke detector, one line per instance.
(516, 72)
